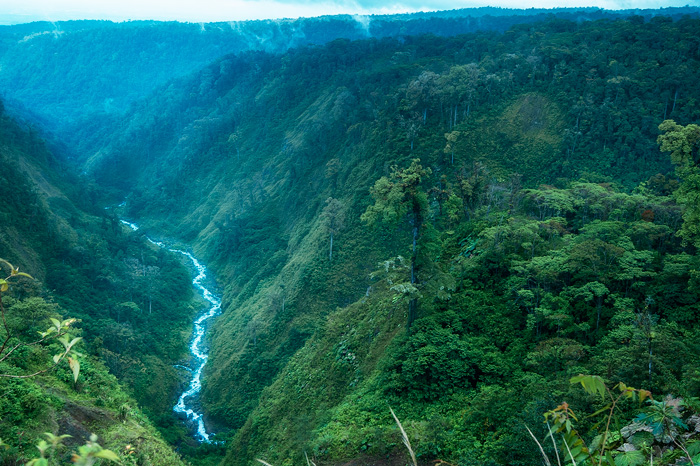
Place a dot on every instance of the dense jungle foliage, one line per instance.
(70, 76)
(541, 209)
(84, 266)
(453, 227)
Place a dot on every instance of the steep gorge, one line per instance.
(547, 227)
(263, 141)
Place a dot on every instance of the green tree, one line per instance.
(400, 196)
(683, 144)
(451, 145)
(333, 218)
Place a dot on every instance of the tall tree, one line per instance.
(333, 217)
(683, 143)
(397, 197)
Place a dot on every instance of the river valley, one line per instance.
(188, 403)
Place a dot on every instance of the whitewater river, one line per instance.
(187, 403)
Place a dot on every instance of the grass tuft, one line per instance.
(405, 438)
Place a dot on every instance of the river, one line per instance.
(188, 404)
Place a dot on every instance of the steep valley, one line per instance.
(448, 226)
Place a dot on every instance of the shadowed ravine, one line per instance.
(187, 403)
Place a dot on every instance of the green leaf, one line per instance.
(56, 323)
(592, 384)
(629, 393)
(601, 410)
(56, 439)
(57, 357)
(630, 458)
(42, 446)
(3, 261)
(594, 444)
(576, 450)
(73, 342)
(3, 285)
(107, 455)
(38, 462)
(694, 448)
(609, 458)
(568, 425)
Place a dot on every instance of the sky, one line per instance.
(20, 11)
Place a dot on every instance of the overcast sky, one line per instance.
(13, 11)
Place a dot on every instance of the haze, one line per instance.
(12, 12)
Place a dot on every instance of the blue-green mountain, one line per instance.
(449, 215)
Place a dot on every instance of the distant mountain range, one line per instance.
(69, 73)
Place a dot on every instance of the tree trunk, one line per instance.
(330, 254)
(649, 340)
(675, 97)
(413, 303)
(413, 257)
(412, 307)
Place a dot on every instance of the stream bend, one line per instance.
(187, 403)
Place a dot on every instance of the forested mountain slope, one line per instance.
(76, 75)
(449, 226)
(532, 241)
(84, 266)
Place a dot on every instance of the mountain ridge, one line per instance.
(36, 54)
(522, 231)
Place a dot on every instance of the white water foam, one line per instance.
(184, 403)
